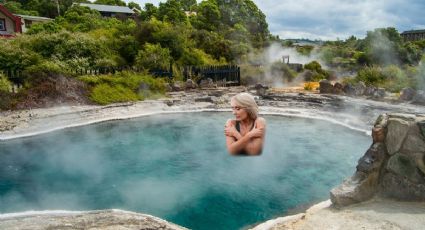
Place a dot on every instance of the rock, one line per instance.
(378, 134)
(404, 166)
(204, 99)
(394, 166)
(103, 219)
(397, 130)
(407, 94)
(421, 125)
(338, 88)
(207, 83)
(169, 88)
(325, 86)
(381, 121)
(419, 97)
(359, 88)
(364, 184)
(177, 86)
(216, 93)
(190, 84)
(379, 93)
(420, 161)
(414, 141)
(370, 91)
(401, 188)
(261, 90)
(354, 190)
(372, 159)
(349, 89)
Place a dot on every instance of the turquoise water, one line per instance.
(176, 167)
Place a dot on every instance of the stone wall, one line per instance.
(393, 166)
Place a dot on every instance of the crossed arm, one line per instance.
(251, 142)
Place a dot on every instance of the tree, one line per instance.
(150, 10)
(171, 11)
(132, 5)
(187, 4)
(110, 2)
(208, 15)
(153, 57)
(246, 13)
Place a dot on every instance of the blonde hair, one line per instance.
(247, 101)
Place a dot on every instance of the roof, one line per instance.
(413, 31)
(7, 12)
(33, 18)
(17, 20)
(108, 8)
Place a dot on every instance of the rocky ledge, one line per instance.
(393, 166)
(387, 191)
(105, 219)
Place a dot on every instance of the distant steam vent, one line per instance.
(413, 35)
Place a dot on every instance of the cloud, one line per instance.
(332, 19)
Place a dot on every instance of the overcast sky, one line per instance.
(332, 19)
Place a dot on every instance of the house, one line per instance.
(120, 12)
(27, 21)
(11, 24)
(413, 35)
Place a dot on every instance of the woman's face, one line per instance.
(239, 111)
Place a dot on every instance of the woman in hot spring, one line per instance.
(245, 134)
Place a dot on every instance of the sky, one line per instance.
(335, 19)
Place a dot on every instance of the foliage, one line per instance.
(310, 86)
(105, 94)
(391, 77)
(282, 71)
(371, 76)
(395, 79)
(170, 11)
(5, 84)
(110, 2)
(67, 47)
(124, 86)
(17, 8)
(14, 56)
(48, 27)
(44, 69)
(133, 5)
(317, 72)
(305, 49)
(153, 56)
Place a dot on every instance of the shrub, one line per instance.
(311, 86)
(282, 71)
(123, 86)
(105, 94)
(317, 72)
(44, 70)
(14, 57)
(371, 76)
(153, 56)
(5, 84)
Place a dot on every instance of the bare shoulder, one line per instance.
(260, 122)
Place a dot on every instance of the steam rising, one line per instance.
(164, 166)
(274, 54)
(383, 49)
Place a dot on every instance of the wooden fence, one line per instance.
(228, 74)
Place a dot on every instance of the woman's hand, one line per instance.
(256, 132)
(230, 130)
